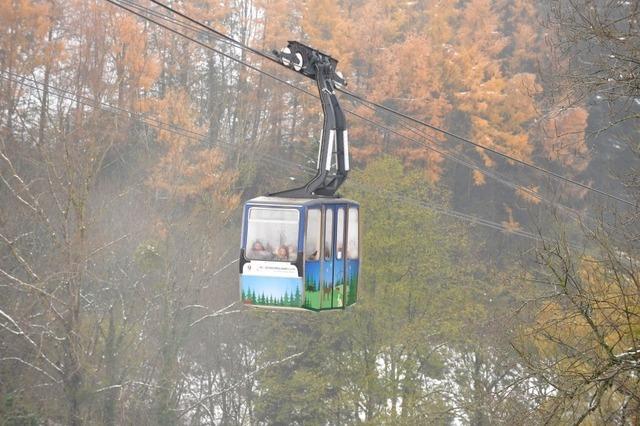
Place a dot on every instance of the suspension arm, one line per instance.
(334, 138)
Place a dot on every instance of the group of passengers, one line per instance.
(261, 252)
(315, 254)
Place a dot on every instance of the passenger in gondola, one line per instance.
(293, 255)
(259, 252)
(282, 253)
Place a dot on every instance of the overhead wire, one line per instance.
(493, 175)
(218, 33)
(486, 148)
(206, 46)
(140, 13)
(158, 124)
(150, 121)
(575, 214)
(363, 100)
(465, 162)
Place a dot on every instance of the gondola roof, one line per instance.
(307, 202)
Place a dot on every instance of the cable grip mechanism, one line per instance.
(305, 60)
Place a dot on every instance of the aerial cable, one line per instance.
(485, 148)
(407, 117)
(465, 162)
(146, 10)
(469, 164)
(206, 46)
(218, 33)
(493, 175)
(149, 121)
(162, 16)
(278, 161)
(497, 176)
(576, 215)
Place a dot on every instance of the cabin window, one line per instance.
(312, 238)
(352, 238)
(340, 234)
(328, 234)
(272, 234)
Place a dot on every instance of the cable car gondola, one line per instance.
(299, 248)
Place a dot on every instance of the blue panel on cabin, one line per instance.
(326, 288)
(312, 284)
(338, 283)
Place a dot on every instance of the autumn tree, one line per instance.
(580, 343)
(596, 51)
(594, 62)
(583, 334)
(71, 316)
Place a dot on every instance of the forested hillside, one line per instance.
(500, 281)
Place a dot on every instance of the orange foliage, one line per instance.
(601, 319)
(510, 224)
(564, 139)
(529, 194)
(478, 178)
(429, 59)
(24, 28)
(133, 63)
(188, 168)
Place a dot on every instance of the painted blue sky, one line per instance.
(271, 286)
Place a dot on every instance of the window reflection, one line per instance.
(340, 234)
(328, 233)
(312, 239)
(272, 234)
(352, 238)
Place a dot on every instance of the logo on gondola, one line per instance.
(270, 269)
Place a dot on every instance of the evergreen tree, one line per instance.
(297, 297)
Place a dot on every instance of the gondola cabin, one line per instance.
(300, 253)
(299, 247)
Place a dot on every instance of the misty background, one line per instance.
(491, 292)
